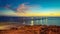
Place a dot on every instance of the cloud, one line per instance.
(7, 6)
(22, 8)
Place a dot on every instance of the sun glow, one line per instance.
(38, 14)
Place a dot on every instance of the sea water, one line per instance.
(48, 21)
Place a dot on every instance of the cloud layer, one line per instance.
(22, 8)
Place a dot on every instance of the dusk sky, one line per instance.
(29, 7)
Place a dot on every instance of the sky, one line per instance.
(29, 7)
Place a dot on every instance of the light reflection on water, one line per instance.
(33, 21)
(47, 21)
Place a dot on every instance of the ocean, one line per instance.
(31, 20)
